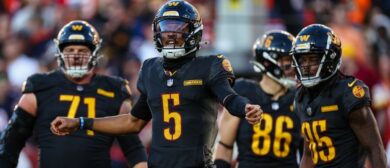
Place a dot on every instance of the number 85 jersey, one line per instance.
(325, 123)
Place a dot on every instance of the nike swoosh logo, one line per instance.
(352, 83)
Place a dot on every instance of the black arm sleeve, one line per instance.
(14, 137)
(234, 103)
(132, 148)
(141, 109)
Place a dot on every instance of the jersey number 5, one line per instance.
(171, 115)
(75, 101)
(278, 149)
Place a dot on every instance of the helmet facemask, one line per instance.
(176, 37)
(315, 67)
(77, 65)
(275, 69)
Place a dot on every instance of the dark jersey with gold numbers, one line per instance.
(57, 96)
(325, 125)
(183, 109)
(275, 141)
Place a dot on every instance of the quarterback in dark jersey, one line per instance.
(274, 142)
(337, 122)
(180, 93)
(73, 91)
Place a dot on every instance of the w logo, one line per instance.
(173, 3)
(304, 37)
(77, 27)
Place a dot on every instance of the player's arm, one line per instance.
(306, 161)
(227, 132)
(234, 103)
(131, 145)
(115, 125)
(18, 130)
(363, 123)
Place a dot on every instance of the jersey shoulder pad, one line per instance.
(355, 87)
(151, 61)
(41, 81)
(116, 84)
(220, 67)
(149, 67)
(355, 93)
(222, 61)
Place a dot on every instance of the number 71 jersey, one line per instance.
(57, 96)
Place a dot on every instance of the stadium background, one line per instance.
(27, 28)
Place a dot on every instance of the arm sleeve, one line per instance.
(14, 137)
(141, 109)
(132, 148)
(225, 94)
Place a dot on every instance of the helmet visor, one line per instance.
(173, 26)
(173, 33)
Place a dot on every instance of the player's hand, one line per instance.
(63, 126)
(253, 113)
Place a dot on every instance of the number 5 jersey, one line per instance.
(183, 108)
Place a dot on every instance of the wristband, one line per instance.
(88, 123)
(81, 123)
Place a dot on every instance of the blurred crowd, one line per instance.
(27, 29)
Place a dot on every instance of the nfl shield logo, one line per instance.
(309, 111)
(170, 82)
(275, 106)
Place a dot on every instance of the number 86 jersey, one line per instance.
(275, 141)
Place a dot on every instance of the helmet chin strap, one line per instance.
(175, 53)
(76, 73)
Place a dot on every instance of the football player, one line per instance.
(274, 142)
(180, 93)
(75, 90)
(337, 122)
